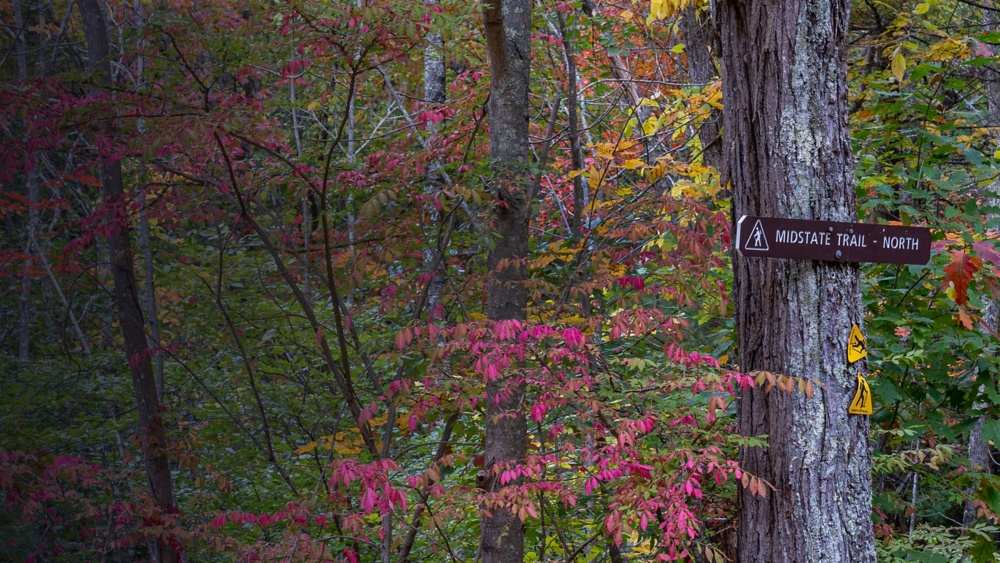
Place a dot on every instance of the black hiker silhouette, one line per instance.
(859, 344)
(862, 399)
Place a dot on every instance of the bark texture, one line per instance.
(980, 451)
(508, 40)
(576, 153)
(126, 290)
(788, 154)
(700, 36)
(434, 94)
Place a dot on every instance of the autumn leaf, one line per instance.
(987, 251)
(307, 448)
(958, 274)
(964, 318)
(898, 66)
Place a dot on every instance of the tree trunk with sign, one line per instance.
(788, 154)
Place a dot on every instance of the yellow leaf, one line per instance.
(543, 261)
(626, 15)
(595, 177)
(922, 8)
(626, 144)
(311, 106)
(307, 448)
(715, 99)
(898, 66)
(629, 125)
(633, 163)
(651, 126)
(678, 49)
(605, 151)
(656, 8)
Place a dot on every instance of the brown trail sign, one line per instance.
(832, 241)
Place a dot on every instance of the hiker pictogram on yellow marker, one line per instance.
(862, 402)
(857, 348)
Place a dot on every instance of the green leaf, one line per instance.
(898, 66)
(982, 550)
(991, 432)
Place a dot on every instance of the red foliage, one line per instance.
(959, 273)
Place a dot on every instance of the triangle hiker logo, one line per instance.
(757, 240)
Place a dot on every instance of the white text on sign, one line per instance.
(786, 236)
(901, 243)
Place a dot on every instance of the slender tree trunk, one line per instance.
(788, 154)
(576, 153)
(126, 290)
(24, 336)
(699, 36)
(434, 93)
(150, 296)
(508, 42)
(621, 72)
(149, 288)
(979, 449)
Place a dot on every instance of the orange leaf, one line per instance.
(960, 272)
(964, 319)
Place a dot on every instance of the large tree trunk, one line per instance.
(126, 293)
(788, 155)
(508, 40)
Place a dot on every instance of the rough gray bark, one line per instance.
(979, 449)
(126, 291)
(700, 34)
(434, 93)
(508, 42)
(788, 154)
(576, 153)
(434, 71)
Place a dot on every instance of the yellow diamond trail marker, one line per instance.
(862, 402)
(857, 348)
